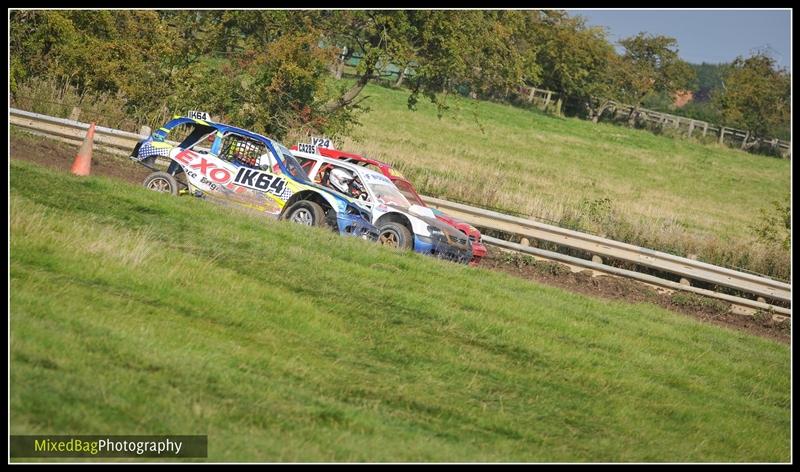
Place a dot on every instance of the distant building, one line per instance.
(682, 97)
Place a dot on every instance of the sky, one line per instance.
(704, 35)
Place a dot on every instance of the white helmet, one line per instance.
(264, 161)
(340, 179)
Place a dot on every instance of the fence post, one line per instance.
(547, 100)
(705, 129)
(75, 114)
(721, 134)
(744, 141)
(691, 127)
(530, 94)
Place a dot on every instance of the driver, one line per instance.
(346, 183)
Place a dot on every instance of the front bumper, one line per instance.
(478, 253)
(442, 249)
(356, 226)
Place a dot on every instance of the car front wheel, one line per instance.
(395, 235)
(307, 213)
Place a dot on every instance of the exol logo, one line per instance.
(214, 175)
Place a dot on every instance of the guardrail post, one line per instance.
(75, 114)
(597, 259)
(145, 130)
(685, 281)
(525, 242)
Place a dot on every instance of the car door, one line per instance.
(229, 173)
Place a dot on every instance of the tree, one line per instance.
(488, 52)
(575, 59)
(650, 64)
(756, 96)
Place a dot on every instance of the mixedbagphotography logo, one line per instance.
(108, 446)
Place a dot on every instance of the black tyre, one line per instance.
(161, 182)
(395, 235)
(306, 212)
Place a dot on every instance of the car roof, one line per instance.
(177, 121)
(338, 162)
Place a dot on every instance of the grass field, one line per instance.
(632, 185)
(137, 313)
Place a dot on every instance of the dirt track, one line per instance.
(59, 155)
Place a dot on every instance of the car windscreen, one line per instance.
(408, 192)
(385, 193)
(292, 166)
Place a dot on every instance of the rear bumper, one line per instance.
(357, 227)
(442, 250)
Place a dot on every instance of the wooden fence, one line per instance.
(688, 127)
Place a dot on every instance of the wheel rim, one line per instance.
(303, 216)
(160, 184)
(389, 238)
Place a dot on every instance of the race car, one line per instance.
(231, 165)
(400, 223)
(322, 146)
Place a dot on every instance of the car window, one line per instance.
(291, 164)
(241, 150)
(306, 163)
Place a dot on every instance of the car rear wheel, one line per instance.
(395, 235)
(307, 213)
(161, 182)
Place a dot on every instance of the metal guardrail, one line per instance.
(122, 142)
(681, 266)
(650, 279)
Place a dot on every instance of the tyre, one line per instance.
(161, 182)
(395, 235)
(306, 212)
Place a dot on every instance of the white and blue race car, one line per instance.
(400, 223)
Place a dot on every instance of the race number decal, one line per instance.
(198, 115)
(321, 142)
(254, 179)
(305, 147)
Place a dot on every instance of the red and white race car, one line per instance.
(322, 147)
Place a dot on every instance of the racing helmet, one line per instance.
(264, 161)
(340, 179)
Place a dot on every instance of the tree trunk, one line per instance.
(598, 112)
(340, 61)
(557, 106)
(400, 77)
(351, 94)
(339, 69)
(632, 116)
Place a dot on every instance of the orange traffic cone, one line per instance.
(83, 161)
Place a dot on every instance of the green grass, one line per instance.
(669, 194)
(137, 313)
